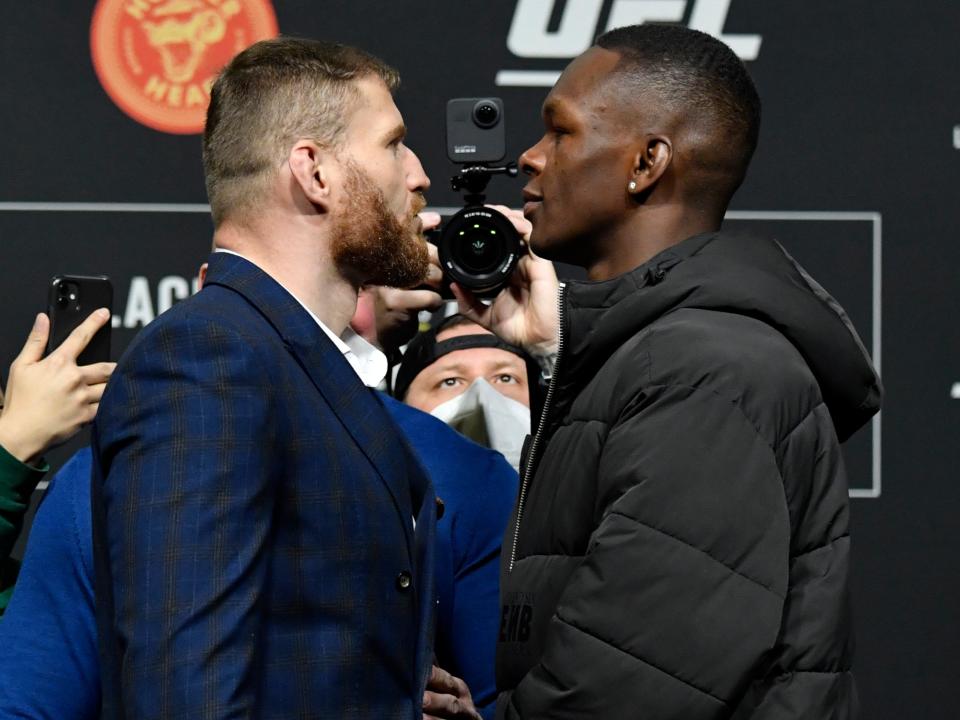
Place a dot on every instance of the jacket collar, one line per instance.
(731, 273)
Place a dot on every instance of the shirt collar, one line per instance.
(366, 360)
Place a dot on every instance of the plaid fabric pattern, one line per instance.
(252, 517)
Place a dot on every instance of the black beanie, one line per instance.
(424, 350)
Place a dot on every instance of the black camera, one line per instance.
(479, 247)
(476, 133)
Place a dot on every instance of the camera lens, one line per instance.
(486, 113)
(479, 249)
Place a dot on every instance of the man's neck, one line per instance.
(644, 236)
(301, 264)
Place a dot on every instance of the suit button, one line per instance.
(404, 581)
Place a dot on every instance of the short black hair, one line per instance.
(694, 73)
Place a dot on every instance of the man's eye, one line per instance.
(448, 382)
(505, 379)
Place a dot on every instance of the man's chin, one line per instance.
(541, 248)
(409, 267)
(558, 250)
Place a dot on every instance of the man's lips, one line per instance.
(531, 202)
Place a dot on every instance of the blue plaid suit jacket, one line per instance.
(252, 506)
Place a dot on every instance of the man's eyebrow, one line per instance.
(397, 133)
(508, 365)
(554, 108)
(449, 367)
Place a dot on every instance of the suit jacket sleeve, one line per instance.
(188, 491)
(682, 587)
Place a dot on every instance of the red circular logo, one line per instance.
(157, 59)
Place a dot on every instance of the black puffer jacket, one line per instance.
(682, 548)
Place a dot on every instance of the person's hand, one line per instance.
(525, 312)
(387, 316)
(49, 399)
(447, 697)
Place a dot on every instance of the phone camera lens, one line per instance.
(486, 114)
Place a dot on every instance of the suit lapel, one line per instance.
(355, 405)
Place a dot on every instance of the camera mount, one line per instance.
(474, 179)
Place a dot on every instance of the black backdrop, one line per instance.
(857, 174)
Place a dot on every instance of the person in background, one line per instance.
(465, 375)
(681, 542)
(48, 400)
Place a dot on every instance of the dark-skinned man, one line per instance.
(680, 547)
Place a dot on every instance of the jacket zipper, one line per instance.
(531, 458)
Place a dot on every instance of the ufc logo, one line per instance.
(530, 38)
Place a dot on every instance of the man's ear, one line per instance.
(312, 167)
(649, 164)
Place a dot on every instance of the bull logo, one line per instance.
(157, 59)
(183, 43)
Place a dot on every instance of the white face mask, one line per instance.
(488, 418)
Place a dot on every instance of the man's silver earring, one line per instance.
(632, 186)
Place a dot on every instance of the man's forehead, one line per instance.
(597, 85)
(483, 359)
(374, 105)
(586, 76)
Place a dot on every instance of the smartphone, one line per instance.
(71, 300)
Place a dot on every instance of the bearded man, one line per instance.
(262, 536)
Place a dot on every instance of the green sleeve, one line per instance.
(17, 483)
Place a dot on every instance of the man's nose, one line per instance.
(417, 179)
(532, 160)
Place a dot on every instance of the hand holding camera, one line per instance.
(482, 249)
(525, 312)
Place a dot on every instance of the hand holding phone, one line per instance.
(48, 399)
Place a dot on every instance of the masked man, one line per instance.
(475, 382)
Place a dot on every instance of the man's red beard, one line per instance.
(370, 245)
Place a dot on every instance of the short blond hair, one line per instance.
(269, 96)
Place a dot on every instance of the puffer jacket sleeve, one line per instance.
(680, 595)
(809, 672)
